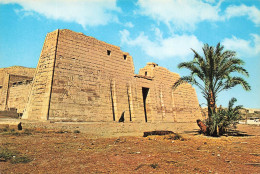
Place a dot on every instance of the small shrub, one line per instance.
(27, 132)
(76, 131)
(4, 129)
(177, 137)
(12, 130)
(7, 154)
(12, 133)
(60, 132)
(21, 159)
(13, 156)
(174, 137)
(154, 166)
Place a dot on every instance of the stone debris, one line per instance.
(161, 132)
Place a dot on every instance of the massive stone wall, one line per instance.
(39, 97)
(83, 79)
(86, 72)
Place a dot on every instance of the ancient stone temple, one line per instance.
(80, 78)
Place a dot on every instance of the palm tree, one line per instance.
(224, 119)
(229, 117)
(213, 73)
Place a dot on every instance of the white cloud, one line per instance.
(211, 1)
(252, 12)
(244, 48)
(176, 46)
(85, 13)
(186, 14)
(182, 14)
(129, 25)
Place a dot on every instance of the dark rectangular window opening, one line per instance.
(108, 52)
(125, 56)
(145, 73)
(145, 93)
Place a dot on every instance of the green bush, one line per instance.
(154, 165)
(224, 119)
(7, 154)
(76, 131)
(177, 137)
(60, 132)
(27, 132)
(13, 156)
(7, 131)
(21, 159)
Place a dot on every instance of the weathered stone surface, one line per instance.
(80, 78)
(15, 85)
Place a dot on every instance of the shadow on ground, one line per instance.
(235, 133)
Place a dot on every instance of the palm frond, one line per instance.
(238, 81)
(185, 79)
(239, 69)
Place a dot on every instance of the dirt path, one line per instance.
(61, 152)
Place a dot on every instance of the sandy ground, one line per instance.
(53, 151)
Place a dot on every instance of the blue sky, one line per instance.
(160, 31)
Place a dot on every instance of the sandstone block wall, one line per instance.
(10, 76)
(39, 97)
(83, 79)
(88, 75)
(180, 105)
(18, 96)
(4, 91)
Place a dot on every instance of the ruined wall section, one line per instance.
(88, 75)
(18, 79)
(7, 77)
(4, 91)
(18, 96)
(180, 105)
(17, 99)
(163, 81)
(39, 96)
(16, 70)
(186, 103)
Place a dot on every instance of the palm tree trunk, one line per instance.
(217, 130)
(212, 110)
(212, 103)
(209, 110)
